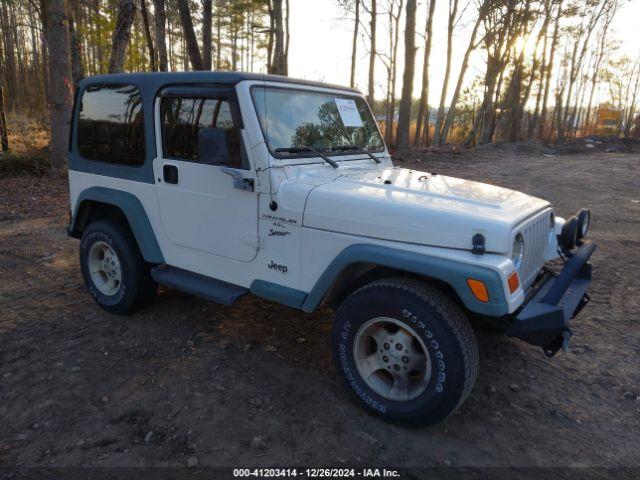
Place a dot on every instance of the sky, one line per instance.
(321, 44)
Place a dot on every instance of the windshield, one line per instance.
(292, 119)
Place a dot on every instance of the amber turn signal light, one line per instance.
(478, 289)
(514, 281)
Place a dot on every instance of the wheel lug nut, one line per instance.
(387, 346)
(405, 359)
(385, 359)
(398, 346)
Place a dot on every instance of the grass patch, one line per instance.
(28, 142)
(14, 164)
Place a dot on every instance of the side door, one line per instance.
(203, 178)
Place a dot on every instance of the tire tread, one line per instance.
(145, 288)
(450, 312)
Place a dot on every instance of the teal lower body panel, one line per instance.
(278, 293)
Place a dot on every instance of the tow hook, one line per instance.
(561, 342)
(566, 336)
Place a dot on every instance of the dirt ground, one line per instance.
(254, 384)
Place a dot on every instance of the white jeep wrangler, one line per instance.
(224, 184)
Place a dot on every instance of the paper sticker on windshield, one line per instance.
(349, 112)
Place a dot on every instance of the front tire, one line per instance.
(405, 350)
(115, 273)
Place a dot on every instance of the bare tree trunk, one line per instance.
(596, 69)
(10, 59)
(279, 63)
(394, 68)
(253, 44)
(219, 36)
(587, 120)
(207, 20)
(354, 45)
(512, 110)
(4, 137)
(541, 65)
(557, 111)
(272, 29)
(423, 107)
(286, 39)
(404, 116)
(491, 125)
(372, 52)
(170, 53)
(535, 65)
(2, 58)
(147, 34)
(576, 64)
(15, 34)
(190, 35)
(486, 114)
(503, 27)
(549, 72)
(100, 51)
(234, 47)
(35, 65)
(442, 138)
(562, 118)
(77, 71)
(453, 12)
(390, 97)
(513, 104)
(160, 20)
(578, 110)
(388, 108)
(59, 88)
(627, 101)
(121, 35)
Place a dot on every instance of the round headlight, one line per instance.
(584, 218)
(518, 251)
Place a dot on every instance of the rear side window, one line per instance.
(183, 117)
(111, 125)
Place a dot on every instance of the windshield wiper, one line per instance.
(360, 149)
(304, 148)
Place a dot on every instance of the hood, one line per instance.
(410, 206)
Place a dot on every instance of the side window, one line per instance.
(183, 117)
(111, 125)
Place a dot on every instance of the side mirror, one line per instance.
(212, 146)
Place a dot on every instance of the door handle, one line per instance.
(170, 173)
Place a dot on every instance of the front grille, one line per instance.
(536, 234)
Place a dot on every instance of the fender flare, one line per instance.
(451, 272)
(132, 209)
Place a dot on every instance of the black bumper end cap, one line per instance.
(544, 320)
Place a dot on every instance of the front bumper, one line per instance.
(544, 319)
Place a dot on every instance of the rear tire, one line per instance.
(115, 273)
(405, 350)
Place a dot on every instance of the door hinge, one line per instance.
(252, 239)
(239, 180)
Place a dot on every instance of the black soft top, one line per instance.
(156, 80)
